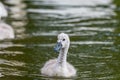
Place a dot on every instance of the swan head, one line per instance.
(62, 42)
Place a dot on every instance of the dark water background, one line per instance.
(93, 27)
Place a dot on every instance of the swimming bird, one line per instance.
(60, 67)
(6, 31)
(3, 11)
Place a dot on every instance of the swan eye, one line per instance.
(63, 39)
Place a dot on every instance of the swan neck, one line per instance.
(62, 58)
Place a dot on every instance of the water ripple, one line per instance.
(72, 2)
(11, 63)
(91, 42)
(81, 12)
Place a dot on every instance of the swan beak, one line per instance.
(58, 46)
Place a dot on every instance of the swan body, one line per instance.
(60, 67)
(6, 31)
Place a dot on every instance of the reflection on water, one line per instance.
(93, 28)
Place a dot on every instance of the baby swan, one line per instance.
(3, 11)
(6, 31)
(60, 67)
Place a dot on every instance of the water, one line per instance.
(93, 27)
